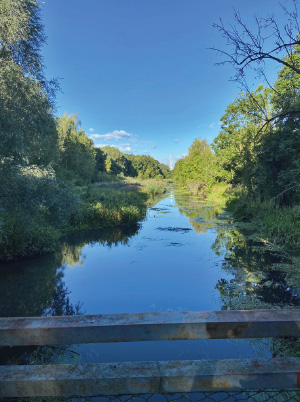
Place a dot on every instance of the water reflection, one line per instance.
(202, 217)
(262, 278)
(36, 287)
(186, 256)
(71, 251)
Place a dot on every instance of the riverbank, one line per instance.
(119, 203)
(279, 226)
(266, 221)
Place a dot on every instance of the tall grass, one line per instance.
(108, 207)
(150, 186)
(278, 225)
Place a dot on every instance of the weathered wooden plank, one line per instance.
(149, 327)
(149, 377)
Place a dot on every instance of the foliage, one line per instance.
(237, 145)
(116, 162)
(77, 155)
(197, 170)
(34, 206)
(280, 226)
(107, 207)
(111, 160)
(28, 133)
(154, 187)
(146, 167)
(21, 38)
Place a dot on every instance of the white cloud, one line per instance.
(212, 125)
(122, 147)
(125, 148)
(116, 135)
(91, 129)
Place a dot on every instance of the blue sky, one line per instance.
(139, 73)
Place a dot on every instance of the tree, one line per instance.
(119, 161)
(77, 154)
(21, 38)
(197, 170)
(27, 128)
(251, 49)
(146, 167)
(238, 145)
(271, 41)
(28, 133)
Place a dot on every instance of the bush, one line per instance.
(33, 208)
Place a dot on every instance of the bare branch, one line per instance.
(249, 49)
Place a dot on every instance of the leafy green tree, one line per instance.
(119, 161)
(197, 170)
(77, 154)
(279, 162)
(146, 167)
(108, 164)
(238, 145)
(33, 203)
(21, 38)
(28, 132)
(100, 160)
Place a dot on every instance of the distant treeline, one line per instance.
(80, 159)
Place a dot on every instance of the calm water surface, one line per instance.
(184, 256)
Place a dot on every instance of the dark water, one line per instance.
(184, 256)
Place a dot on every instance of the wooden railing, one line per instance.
(149, 377)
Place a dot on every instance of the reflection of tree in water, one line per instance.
(27, 287)
(70, 252)
(201, 216)
(31, 288)
(261, 279)
(35, 287)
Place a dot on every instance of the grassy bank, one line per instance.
(278, 225)
(109, 205)
(265, 220)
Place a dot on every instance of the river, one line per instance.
(184, 256)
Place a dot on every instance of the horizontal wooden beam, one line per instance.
(149, 377)
(149, 327)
